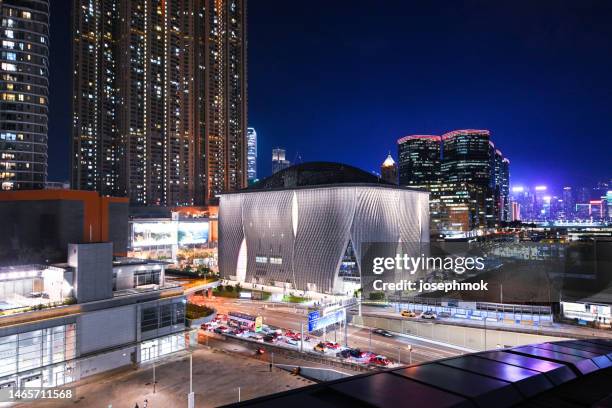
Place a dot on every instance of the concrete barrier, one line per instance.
(468, 337)
(314, 373)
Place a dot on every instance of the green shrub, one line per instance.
(194, 311)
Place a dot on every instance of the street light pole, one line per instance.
(410, 354)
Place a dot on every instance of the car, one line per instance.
(382, 332)
(430, 314)
(379, 360)
(349, 352)
(205, 326)
(444, 314)
(320, 347)
(269, 339)
(256, 337)
(407, 313)
(291, 341)
(332, 345)
(221, 330)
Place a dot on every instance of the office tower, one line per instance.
(467, 156)
(24, 90)
(419, 159)
(159, 106)
(388, 170)
(467, 177)
(251, 154)
(279, 161)
(569, 204)
(516, 212)
(501, 185)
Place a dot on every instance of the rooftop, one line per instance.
(317, 174)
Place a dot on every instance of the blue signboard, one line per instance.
(316, 323)
(312, 318)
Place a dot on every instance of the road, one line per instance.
(287, 317)
(556, 329)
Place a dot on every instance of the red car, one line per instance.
(379, 360)
(332, 345)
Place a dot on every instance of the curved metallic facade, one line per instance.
(24, 89)
(299, 236)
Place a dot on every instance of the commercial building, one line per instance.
(39, 225)
(55, 320)
(279, 162)
(419, 159)
(305, 227)
(468, 179)
(160, 99)
(164, 238)
(251, 155)
(24, 93)
(388, 170)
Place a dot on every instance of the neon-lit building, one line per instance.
(251, 154)
(468, 178)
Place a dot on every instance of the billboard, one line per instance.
(192, 233)
(153, 233)
(318, 322)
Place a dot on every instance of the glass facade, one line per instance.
(38, 358)
(157, 316)
(153, 349)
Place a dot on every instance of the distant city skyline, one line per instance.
(545, 100)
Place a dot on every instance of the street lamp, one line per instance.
(410, 354)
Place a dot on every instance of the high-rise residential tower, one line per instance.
(24, 89)
(251, 155)
(279, 162)
(159, 106)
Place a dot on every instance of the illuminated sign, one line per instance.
(153, 233)
(192, 233)
(317, 322)
(540, 188)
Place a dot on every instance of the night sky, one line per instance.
(343, 80)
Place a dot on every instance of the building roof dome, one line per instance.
(316, 174)
(389, 162)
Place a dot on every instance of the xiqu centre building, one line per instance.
(305, 227)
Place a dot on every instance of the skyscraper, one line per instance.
(419, 159)
(388, 170)
(24, 89)
(159, 108)
(467, 177)
(279, 162)
(251, 154)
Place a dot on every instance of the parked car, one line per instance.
(382, 332)
(291, 341)
(407, 313)
(430, 314)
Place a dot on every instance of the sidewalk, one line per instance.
(217, 376)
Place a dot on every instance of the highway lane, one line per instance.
(287, 317)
